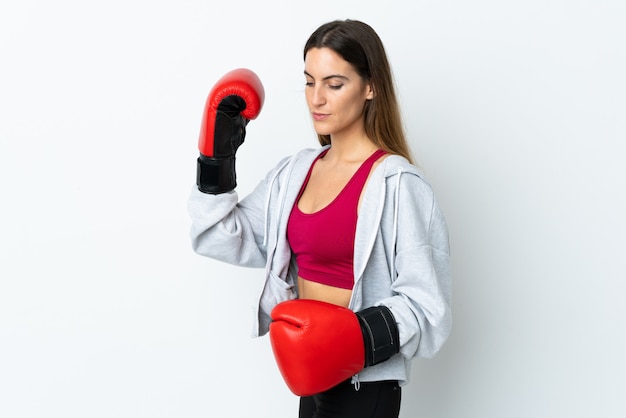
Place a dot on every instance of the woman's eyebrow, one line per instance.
(328, 76)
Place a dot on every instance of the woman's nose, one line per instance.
(317, 96)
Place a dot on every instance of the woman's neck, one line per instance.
(353, 149)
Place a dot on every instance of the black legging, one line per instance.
(372, 400)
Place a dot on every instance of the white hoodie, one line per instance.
(401, 255)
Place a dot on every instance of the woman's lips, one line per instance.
(320, 116)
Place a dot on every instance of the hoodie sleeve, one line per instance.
(422, 286)
(227, 229)
(221, 230)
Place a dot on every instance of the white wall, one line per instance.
(516, 110)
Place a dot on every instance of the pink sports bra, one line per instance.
(323, 241)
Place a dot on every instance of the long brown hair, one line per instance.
(357, 43)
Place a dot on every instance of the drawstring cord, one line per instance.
(395, 225)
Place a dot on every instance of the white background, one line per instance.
(516, 110)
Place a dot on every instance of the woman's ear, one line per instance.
(370, 92)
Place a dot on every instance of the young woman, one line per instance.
(349, 233)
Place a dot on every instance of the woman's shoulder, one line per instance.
(405, 178)
(398, 165)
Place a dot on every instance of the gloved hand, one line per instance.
(233, 101)
(318, 345)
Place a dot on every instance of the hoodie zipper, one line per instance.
(355, 379)
(268, 199)
(356, 382)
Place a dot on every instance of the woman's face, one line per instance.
(335, 93)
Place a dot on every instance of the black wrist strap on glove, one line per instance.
(380, 334)
(216, 175)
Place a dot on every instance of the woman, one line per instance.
(352, 224)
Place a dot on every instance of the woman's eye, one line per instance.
(335, 86)
(309, 84)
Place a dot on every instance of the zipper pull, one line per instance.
(355, 381)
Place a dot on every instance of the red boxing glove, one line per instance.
(233, 101)
(318, 345)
